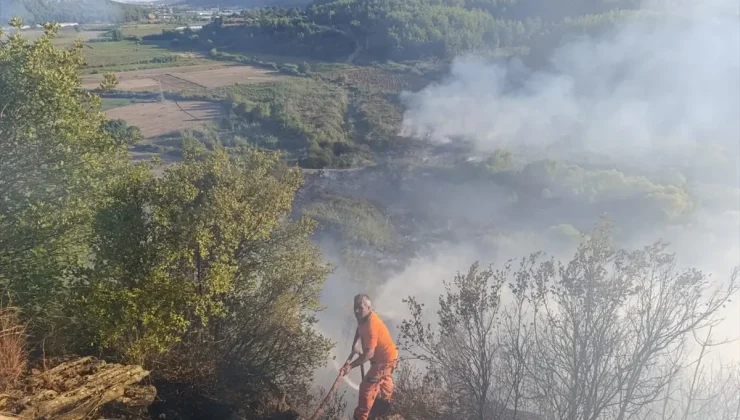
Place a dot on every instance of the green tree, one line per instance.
(204, 258)
(55, 164)
(116, 35)
(110, 81)
(123, 133)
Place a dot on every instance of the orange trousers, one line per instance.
(377, 382)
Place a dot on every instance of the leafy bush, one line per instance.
(123, 133)
(201, 252)
(48, 207)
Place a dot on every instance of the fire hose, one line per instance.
(335, 385)
(330, 394)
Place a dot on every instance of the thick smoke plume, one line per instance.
(659, 88)
(648, 95)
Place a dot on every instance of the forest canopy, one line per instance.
(407, 30)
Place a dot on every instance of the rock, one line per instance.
(138, 396)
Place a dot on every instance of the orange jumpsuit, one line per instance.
(378, 380)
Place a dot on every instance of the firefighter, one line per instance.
(378, 348)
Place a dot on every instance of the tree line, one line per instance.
(406, 30)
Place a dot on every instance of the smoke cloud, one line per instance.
(648, 90)
(647, 95)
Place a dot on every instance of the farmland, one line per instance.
(115, 56)
(323, 114)
(176, 79)
(334, 119)
(156, 119)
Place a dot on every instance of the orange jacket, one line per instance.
(374, 334)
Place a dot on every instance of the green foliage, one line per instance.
(173, 255)
(203, 259)
(409, 29)
(55, 164)
(123, 133)
(358, 222)
(127, 55)
(116, 35)
(301, 69)
(548, 182)
(306, 115)
(602, 185)
(110, 81)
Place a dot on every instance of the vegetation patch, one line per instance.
(132, 55)
(307, 116)
(359, 222)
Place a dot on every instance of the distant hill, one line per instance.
(402, 30)
(80, 11)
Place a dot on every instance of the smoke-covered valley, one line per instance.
(641, 124)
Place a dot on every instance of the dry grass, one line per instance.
(161, 118)
(12, 347)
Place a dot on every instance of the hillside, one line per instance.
(367, 30)
(79, 11)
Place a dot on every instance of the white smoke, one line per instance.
(643, 91)
(650, 94)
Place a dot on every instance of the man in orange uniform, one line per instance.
(378, 348)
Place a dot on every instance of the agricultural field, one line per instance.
(177, 79)
(110, 103)
(101, 57)
(337, 120)
(317, 66)
(65, 36)
(144, 29)
(333, 115)
(156, 119)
